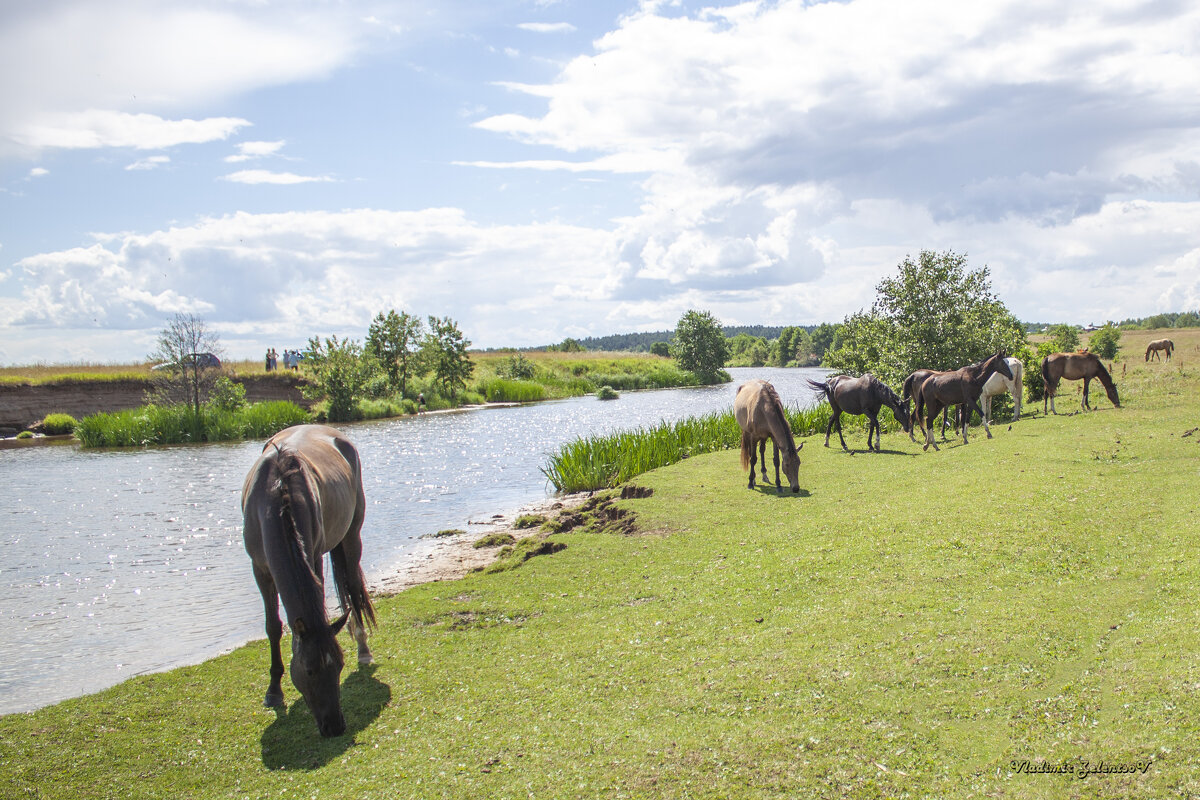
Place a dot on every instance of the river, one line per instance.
(119, 563)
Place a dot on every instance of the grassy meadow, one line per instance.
(910, 625)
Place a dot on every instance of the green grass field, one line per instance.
(911, 625)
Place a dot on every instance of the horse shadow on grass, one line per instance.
(292, 741)
(762, 488)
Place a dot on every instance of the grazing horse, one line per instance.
(1073, 366)
(865, 395)
(958, 387)
(998, 384)
(1166, 345)
(760, 415)
(304, 498)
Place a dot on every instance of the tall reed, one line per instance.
(603, 461)
(177, 424)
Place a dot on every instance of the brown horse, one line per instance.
(958, 387)
(1165, 345)
(304, 498)
(1073, 366)
(865, 395)
(909, 393)
(760, 415)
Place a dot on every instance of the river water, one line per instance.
(118, 563)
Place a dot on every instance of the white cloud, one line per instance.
(148, 163)
(255, 176)
(251, 150)
(96, 128)
(136, 59)
(38, 172)
(547, 27)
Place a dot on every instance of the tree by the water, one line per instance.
(445, 351)
(394, 340)
(700, 345)
(935, 313)
(190, 355)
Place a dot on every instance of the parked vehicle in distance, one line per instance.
(205, 360)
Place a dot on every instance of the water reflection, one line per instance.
(120, 563)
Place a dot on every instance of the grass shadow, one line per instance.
(292, 740)
(762, 488)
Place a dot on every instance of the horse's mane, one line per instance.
(285, 481)
(777, 405)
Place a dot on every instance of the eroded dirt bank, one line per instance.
(23, 405)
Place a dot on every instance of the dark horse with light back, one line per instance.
(865, 395)
(304, 498)
(957, 387)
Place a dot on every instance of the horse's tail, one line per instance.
(352, 589)
(747, 449)
(819, 387)
(1046, 376)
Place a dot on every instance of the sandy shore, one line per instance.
(453, 557)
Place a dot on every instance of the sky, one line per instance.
(538, 169)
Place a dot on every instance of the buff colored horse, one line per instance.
(760, 415)
(1165, 345)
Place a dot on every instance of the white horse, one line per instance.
(998, 384)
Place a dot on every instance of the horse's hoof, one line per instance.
(365, 660)
(273, 700)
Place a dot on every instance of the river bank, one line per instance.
(846, 641)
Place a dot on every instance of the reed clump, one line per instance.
(604, 461)
(179, 424)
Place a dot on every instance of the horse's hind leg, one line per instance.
(270, 596)
(762, 460)
(348, 577)
(1086, 404)
(753, 463)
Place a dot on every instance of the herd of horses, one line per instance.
(303, 498)
(926, 393)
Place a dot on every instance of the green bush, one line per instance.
(505, 390)
(227, 395)
(606, 393)
(25, 435)
(58, 424)
(1106, 341)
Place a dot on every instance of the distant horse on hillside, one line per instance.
(1165, 345)
(304, 498)
(865, 395)
(1073, 366)
(760, 414)
(958, 387)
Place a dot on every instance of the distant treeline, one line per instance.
(640, 342)
(1183, 319)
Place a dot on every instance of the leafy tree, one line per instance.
(339, 372)
(446, 354)
(394, 340)
(1064, 338)
(517, 366)
(660, 349)
(699, 346)
(822, 339)
(568, 345)
(1106, 341)
(187, 374)
(935, 313)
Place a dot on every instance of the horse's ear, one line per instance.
(338, 623)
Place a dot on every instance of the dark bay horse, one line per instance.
(865, 395)
(1165, 345)
(1072, 367)
(304, 498)
(759, 413)
(909, 389)
(958, 387)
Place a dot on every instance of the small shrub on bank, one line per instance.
(59, 424)
(493, 540)
(25, 435)
(529, 521)
(606, 393)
